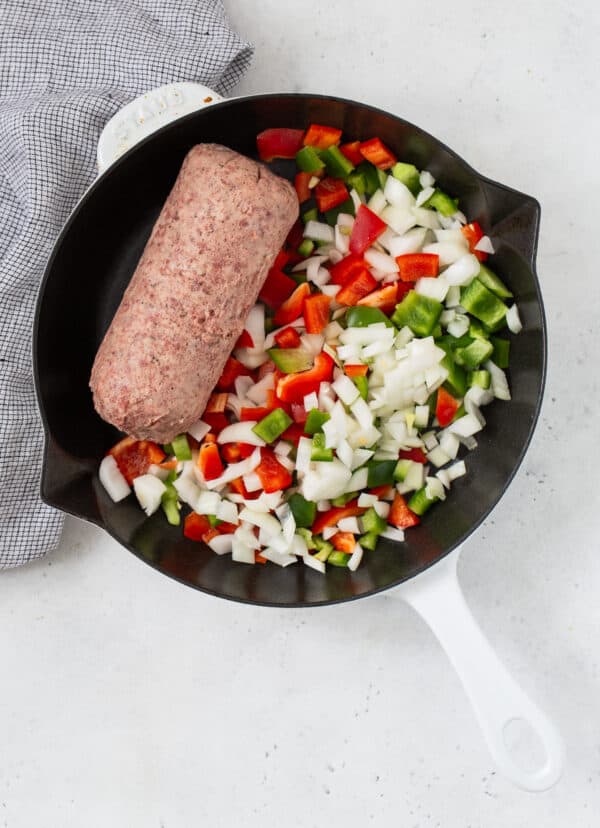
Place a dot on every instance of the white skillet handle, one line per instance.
(496, 698)
(149, 112)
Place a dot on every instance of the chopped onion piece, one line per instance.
(381, 261)
(234, 470)
(312, 562)
(426, 179)
(397, 193)
(344, 452)
(162, 474)
(329, 532)
(355, 558)
(433, 288)
(227, 511)
(434, 488)
(240, 552)
(349, 524)
(513, 320)
(377, 202)
(399, 219)
(207, 503)
(443, 477)
(282, 448)
(241, 433)
(342, 241)
(252, 482)
(313, 343)
(463, 270)
(358, 480)
(356, 200)
(359, 457)
(499, 381)
(426, 218)
(366, 500)
(255, 325)
(484, 245)
(391, 533)
(199, 430)
(149, 491)
(449, 443)
(465, 426)
(382, 509)
(459, 325)
(318, 231)
(456, 470)
(345, 389)
(411, 242)
(189, 493)
(424, 195)
(438, 457)
(223, 545)
(277, 558)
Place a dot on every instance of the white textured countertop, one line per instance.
(129, 700)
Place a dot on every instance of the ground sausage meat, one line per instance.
(201, 271)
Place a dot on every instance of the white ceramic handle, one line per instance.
(496, 698)
(149, 112)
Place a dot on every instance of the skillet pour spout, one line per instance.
(93, 261)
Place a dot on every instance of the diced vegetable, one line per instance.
(321, 137)
(279, 143)
(309, 161)
(291, 360)
(292, 307)
(366, 229)
(419, 313)
(378, 154)
(273, 425)
(315, 421)
(413, 266)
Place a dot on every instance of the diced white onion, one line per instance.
(383, 262)
(329, 532)
(241, 433)
(317, 231)
(459, 325)
(424, 195)
(189, 492)
(400, 219)
(465, 426)
(425, 217)
(240, 552)
(222, 544)
(426, 179)
(207, 503)
(433, 288)
(349, 524)
(255, 325)
(358, 480)
(484, 245)
(235, 470)
(513, 320)
(199, 430)
(449, 443)
(391, 533)
(438, 457)
(377, 202)
(463, 270)
(457, 470)
(366, 500)
(498, 381)
(149, 491)
(382, 509)
(312, 562)
(355, 558)
(448, 251)
(356, 200)
(411, 242)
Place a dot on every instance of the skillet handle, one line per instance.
(147, 113)
(498, 702)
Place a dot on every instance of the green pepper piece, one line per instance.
(307, 535)
(361, 316)
(306, 247)
(315, 421)
(298, 276)
(461, 411)
(325, 548)
(501, 352)
(408, 174)
(273, 425)
(479, 301)
(336, 163)
(481, 378)
(477, 331)
(181, 447)
(331, 216)
(343, 499)
(493, 282)
(420, 313)
(308, 160)
(474, 354)
(369, 172)
(457, 378)
(169, 502)
(362, 383)
(382, 177)
(303, 510)
(357, 181)
(371, 521)
(338, 558)
(380, 473)
(369, 541)
(291, 360)
(168, 448)
(319, 452)
(442, 203)
(420, 503)
(214, 520)
(449, 342)
(402, 469)
(310, 215)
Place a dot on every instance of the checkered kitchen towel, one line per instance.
(66, 66)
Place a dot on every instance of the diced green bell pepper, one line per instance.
(362, 383)
(273, 425)
(337, 558)
(168, 500)
(357, 181)
(477, 330)
(331, 216)
(336, 163)
(402, 469)
(315, 421)
(361, 316)
(420, 503)
(319, 452)
(408, 174)
(369, 172)
(420, 313)
(343, 499)
(303, 510)
(307, 535)
(492, 282)
(308, 160)
(325, 548)
(369, 540)
(291, 360)
(181, 447)
(306, 247)
(442, 203)
(501, 352)
(382, 177)
(480, 378)
(168, 448)
(457, 378)
(372, 522)
(380, 473)
(474, 354)
(479, 301)
(310, 215)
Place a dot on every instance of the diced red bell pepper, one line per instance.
(334, 515)
(366, 229)
(296, 234)
(299, 413)
(446, 407)
(352, 152)
(330, 193)
(294, 387)
(231, 452)
(277, 288)
(354, 290)
(403, 289)
(279, 143)
(301, 181)
(209, 461)
(237, 486)
(225, 528)
(356, 370)
(292, 308)
(255, 413)
(272, 475)
(385, 298)
(375, 151)
(473, 234)
(217, 422)
(400, 515)
(244, 340)
(281, 259)
(384, 492)
(415, 266)
(196, 526)
(246, 449)
(134, 457)
(321, 137)
(417, 455)
(216, 403)
(344, 542)
(210, 534)
(346, 268)
(316, 312)
(232, 370)
(258, 558)
(293, 433)
(288, 338)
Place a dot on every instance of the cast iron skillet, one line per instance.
(91, 265)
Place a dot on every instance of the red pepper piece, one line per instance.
(473, 234)
(272, 475)
(403, 289)
(346, 268)
(367, 229)
(277, 287)
(231, 452)
(330, 193)
(384, 492)
(246, 449)
(352, 152)
(294, 387)
(232, 370)
(299, 413)
(281, 259)
(321, 137)
(356, 370)
(446, 407)
(288, 338)
(279, 143)
(216, 403)
(360, 285)
(296, 234)
(293, 433)
(385, 298)
(255, 413)
(301, 181)
(258, 558)
(344, 542)
(415, 266)
(400, 515)
(217, 422)
(415, 454)
(316, 312)
(244, 340)
(195, 526)
(224, 528)
(134, 457)
(375, 151)
(293, 306)
(209, 461)
(334, 515)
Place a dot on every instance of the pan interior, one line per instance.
(92, 264)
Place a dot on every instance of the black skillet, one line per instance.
(90, 267)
